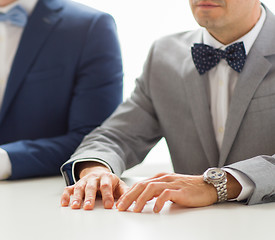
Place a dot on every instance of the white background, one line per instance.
(139, 23)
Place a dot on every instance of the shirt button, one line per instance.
(221, 130)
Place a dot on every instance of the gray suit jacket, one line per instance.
(171, 101)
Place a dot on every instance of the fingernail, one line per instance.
(87, 203)
(63, 203)
(156, 209)
(75, 203)
(136, 209)
(120, 206)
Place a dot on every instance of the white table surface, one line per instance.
(30, 209)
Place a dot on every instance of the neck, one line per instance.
(229, 34)
(4, 3)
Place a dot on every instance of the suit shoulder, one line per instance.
(78, 11)
(174, 48)
(183, 39)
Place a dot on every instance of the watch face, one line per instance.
(215, 174)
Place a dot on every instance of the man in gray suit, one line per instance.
(211, 94)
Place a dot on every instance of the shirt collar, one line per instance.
(28, 5)
(248, 39)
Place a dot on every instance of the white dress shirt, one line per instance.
(222, 82)
(10, 36)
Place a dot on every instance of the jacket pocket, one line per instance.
(262, 103)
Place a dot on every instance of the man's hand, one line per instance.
(185, 190)
(94, 178)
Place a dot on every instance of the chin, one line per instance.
(208, 21)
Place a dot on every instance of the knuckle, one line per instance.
(152, 186)
(169, 177)
(105, 187)
(166, 176)
(67, 190)
(166, 192)
(141, 185)
(90, 197)
(91, 186)
(92, 175)
(65, 196)
(79, 187)
(159, 174)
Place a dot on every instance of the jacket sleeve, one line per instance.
(261, 171)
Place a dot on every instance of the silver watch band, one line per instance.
(221, 191)
(217, 177)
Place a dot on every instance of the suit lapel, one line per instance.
(196, 88)
(246, 86)
(40, 24)
(256, 68)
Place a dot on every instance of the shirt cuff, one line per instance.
(246, 183)
(88, 160)
(5, 165)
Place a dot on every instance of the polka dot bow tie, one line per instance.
(206, 57)
(16, 16)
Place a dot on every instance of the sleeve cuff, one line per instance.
(5, 165)
(246, 183)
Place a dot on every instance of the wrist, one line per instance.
(234, 188)
(211, 191)
(217, 177)
(84, 168)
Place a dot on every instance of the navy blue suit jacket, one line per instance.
(65, 80)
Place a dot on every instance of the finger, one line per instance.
(129, 197)
(120, 198)
(120, 189)
(152, 190)
(106, 188)
(65, 198)
(90, 194)
(126, 190)
(78, 195)
(133, 190)
(166, 195)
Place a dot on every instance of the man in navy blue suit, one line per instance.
(60, 77)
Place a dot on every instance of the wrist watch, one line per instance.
(217, 177)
